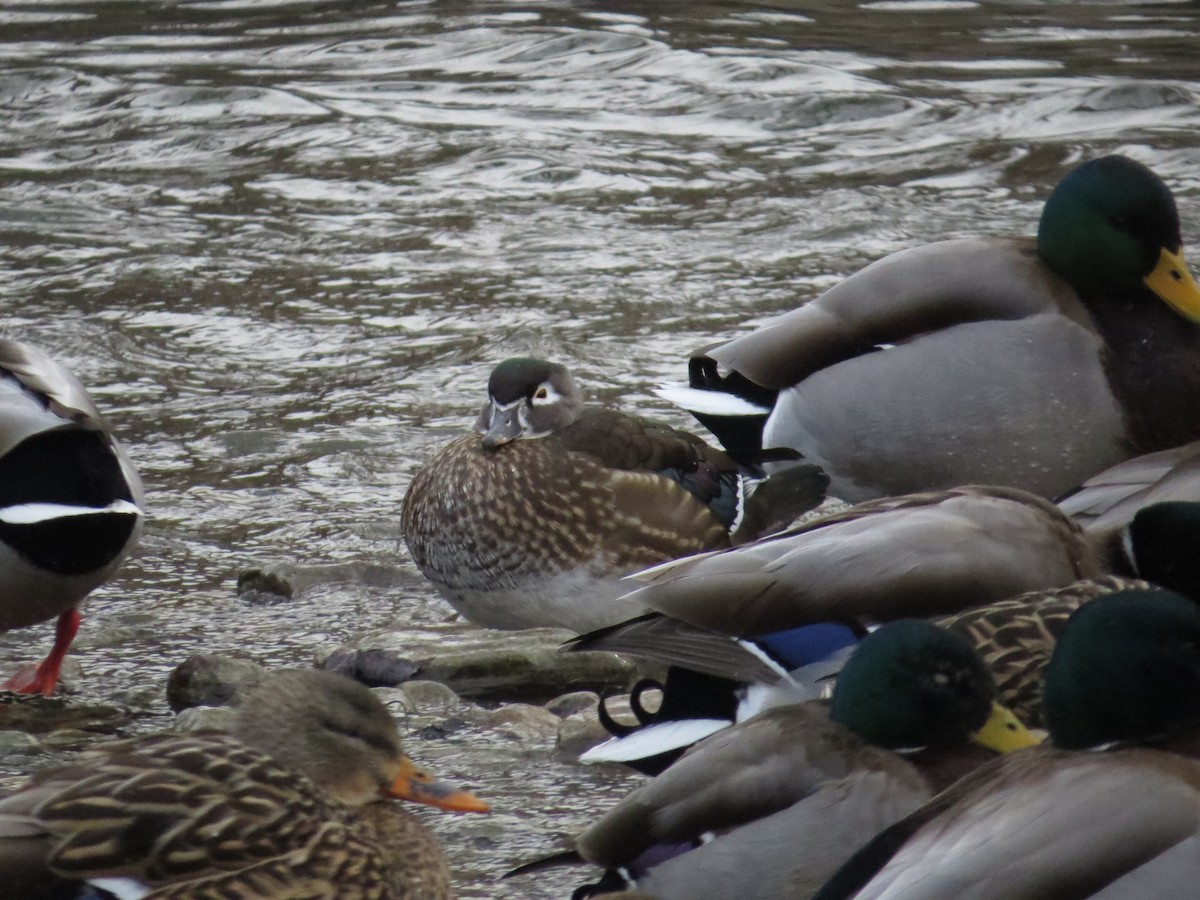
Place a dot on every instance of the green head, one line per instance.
(912, 684)
(1127, 669)
(1110, 227)
(1164, 541)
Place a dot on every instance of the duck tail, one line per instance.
(553, 861)
(780, 499)
(733, 408)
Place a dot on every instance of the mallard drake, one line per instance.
(801, 785)
(1110, 499)
(70, 502)
(919, 555)
(533, 520)
(1097, 815)
(1010, 361)
(712, 681)
(288, 804)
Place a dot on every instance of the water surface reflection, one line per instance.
(284, 242)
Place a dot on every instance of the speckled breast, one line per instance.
(496, 520)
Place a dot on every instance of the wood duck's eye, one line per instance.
(541, 393)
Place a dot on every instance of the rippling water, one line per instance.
(284, 242)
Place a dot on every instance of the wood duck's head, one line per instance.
(527, 398)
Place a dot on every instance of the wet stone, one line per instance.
(582, 730)
(513, 666)
(430, 696)
(262, 587)
(524, 722)
(18, 742)
(71, 739)
(375, 667)
(532, 674)
(141, 697)
(577, 734)
(40, 715)
(211, 680)
(574, 702)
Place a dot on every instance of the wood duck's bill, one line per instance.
(501, 425)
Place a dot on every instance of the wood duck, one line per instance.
(532, 520)
(294, 802)
(70, 502)
(1007, 361)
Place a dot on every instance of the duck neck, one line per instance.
(942, 766)
(1161, 544)
(1145, 338)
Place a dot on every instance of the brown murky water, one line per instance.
(284, 243)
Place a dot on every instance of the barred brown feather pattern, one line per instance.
(335, 863)
(250, 814)
(525, 512)
(172, 805)
(1015, 637)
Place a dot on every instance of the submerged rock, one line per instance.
(574, 702)
(430, 696)
(258, 586)
(208, 679)
(524, 666)
(18, 742)
(581, 731)
(524, 722)
(374, 668)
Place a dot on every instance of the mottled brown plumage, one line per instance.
(1016, 636)
(535, 522)
(288, 806)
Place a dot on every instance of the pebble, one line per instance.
(18, 742)
(207, 679)
(577, 734)
(375, 667)
(574, 702)
(261, 587)
(524, 721)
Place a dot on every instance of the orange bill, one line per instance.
(419, 786)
